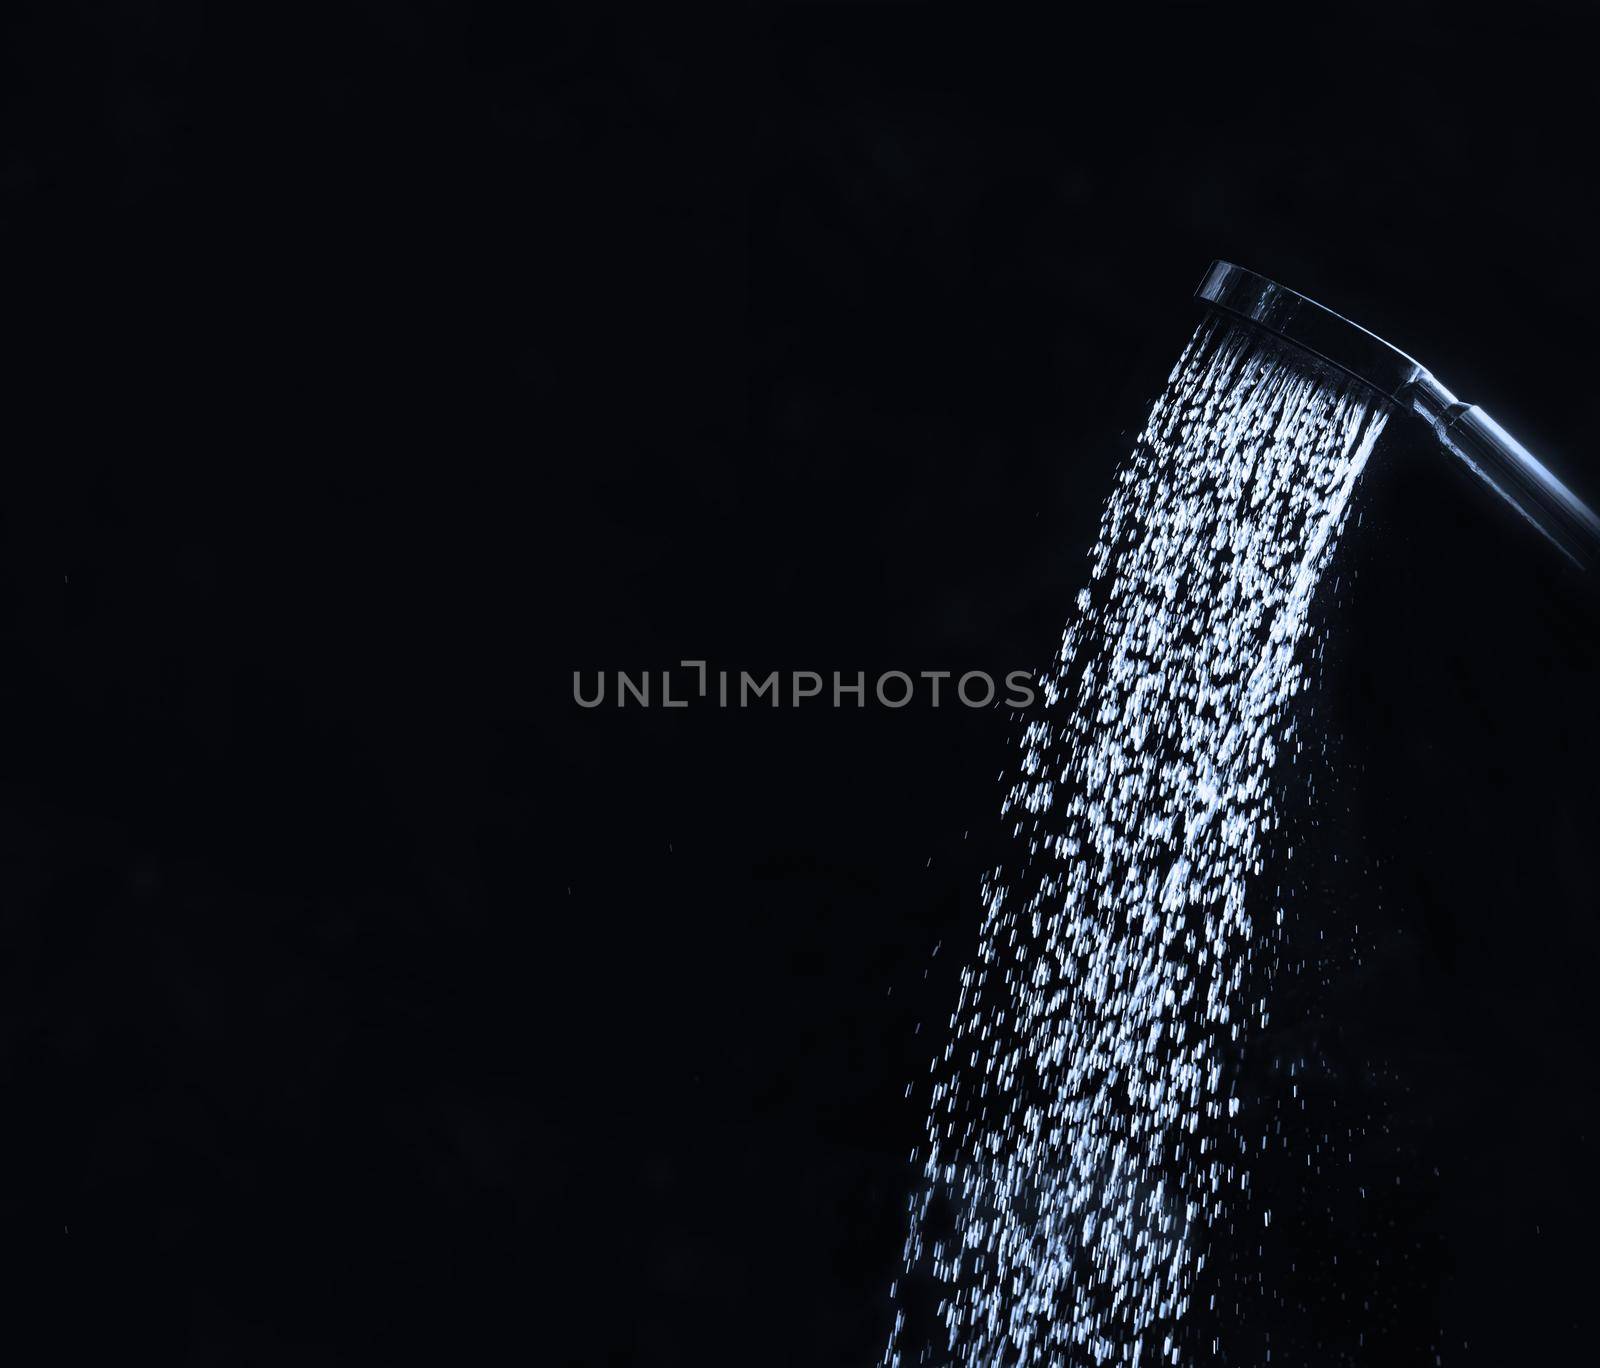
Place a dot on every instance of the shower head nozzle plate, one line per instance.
(1488, 450)
(1305, 323)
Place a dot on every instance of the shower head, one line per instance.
(1491, 452)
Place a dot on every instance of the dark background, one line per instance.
(368, 370)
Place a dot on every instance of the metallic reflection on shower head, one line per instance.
(1492, 453)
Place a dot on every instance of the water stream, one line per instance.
(1082, 1143)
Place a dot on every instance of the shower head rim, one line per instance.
(1315, 328)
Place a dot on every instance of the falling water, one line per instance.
(1082, 1137)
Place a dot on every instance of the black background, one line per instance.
(369, 370)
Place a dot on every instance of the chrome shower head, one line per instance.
(1488, 449)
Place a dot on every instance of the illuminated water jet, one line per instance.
(1081, 1140)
